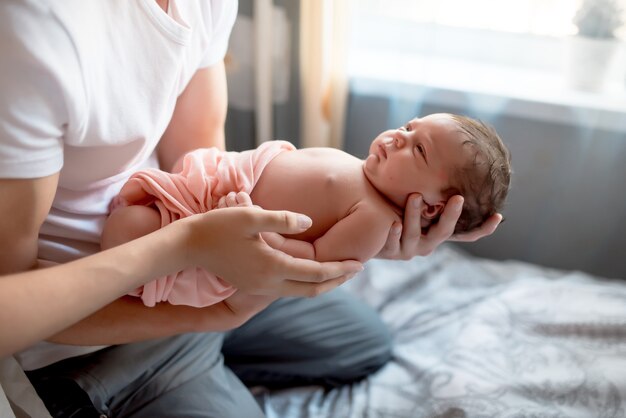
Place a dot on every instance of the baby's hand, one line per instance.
(234, 199)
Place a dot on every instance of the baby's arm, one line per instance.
(128, 223)
(358, 236)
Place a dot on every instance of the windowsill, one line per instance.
(488, 88)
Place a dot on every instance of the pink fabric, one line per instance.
(207, 175)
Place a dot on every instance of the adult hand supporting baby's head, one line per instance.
(228, 243)
(407, 241)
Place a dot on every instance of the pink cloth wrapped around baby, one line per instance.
(207, 174)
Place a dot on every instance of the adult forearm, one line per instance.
(127, 320)
(38, 303)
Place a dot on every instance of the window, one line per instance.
(536, 17)
(494, 54)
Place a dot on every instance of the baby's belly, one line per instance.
(313, 201)
(323, 214)
(323, 184)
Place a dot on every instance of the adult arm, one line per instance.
(38, 303)
(199, 117)
(197, 120)
(406, 240)
(30, 300)
(235, 237)
(23, 208)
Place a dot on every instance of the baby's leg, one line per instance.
(128, 223)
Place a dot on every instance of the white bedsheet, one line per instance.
(480, 338)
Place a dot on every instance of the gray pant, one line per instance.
(330, 340)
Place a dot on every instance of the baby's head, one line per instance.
(485, 178)
(439, 156)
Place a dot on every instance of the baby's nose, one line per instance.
(395, 141)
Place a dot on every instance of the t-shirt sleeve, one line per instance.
(35, 65)
(219, 20)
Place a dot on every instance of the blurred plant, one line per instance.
(599, 18)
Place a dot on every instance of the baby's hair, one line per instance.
(485, 180)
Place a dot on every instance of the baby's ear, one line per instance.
(433, 211)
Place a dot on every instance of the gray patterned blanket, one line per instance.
(482, 338)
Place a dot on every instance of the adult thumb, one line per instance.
(281, 221)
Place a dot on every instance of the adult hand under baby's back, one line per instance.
(406, 240)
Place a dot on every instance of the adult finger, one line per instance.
(303, 289)
(487, 228)
(287, 267)
(303, 270)
(444, 228)
(411, 224)
(281, 221)
(391, 248)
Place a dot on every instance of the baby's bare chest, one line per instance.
(324, 184)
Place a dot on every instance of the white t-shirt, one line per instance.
(87, 88)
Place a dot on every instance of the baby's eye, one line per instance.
(421, 150)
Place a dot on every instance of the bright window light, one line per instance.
(537, 17)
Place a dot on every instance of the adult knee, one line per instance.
(371, 349)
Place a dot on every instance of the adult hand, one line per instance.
(244, 306)
(228, 243)
(243, 199)
(406, 240)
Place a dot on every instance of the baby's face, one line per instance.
(416, 158)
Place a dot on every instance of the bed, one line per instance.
(482, 338)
